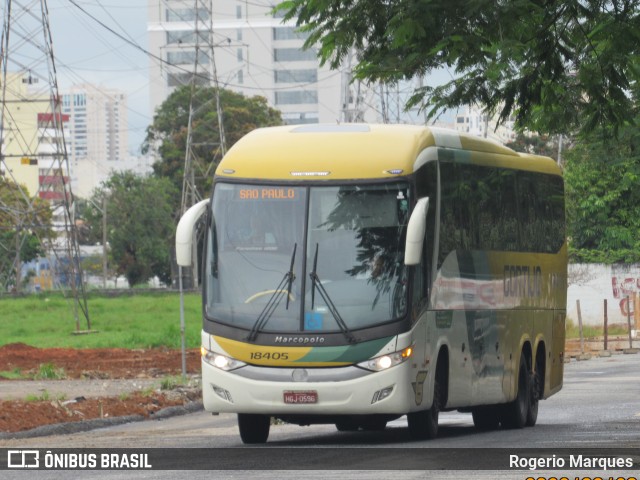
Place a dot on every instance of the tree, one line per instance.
(559, 66)
(140, 225)
(603, 200)
(88, 218)
(169, 130)
(25, 223)
(536, 144)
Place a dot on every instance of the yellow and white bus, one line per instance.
(353, 274)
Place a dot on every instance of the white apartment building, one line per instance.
(96, 134)
(474, 121)
(255, 54)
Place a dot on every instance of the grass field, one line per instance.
(137, 320)
(591, 331)
(140, 320)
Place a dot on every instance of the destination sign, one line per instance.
(268, 193)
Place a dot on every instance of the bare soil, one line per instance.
(90, 365)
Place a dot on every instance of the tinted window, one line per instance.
(484, 208)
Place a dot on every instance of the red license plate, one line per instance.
(307, 396)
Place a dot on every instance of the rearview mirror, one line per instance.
(415, 233)
(184, 233)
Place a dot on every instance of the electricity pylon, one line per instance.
(33, 154)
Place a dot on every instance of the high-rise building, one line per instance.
(53, 172)
(474, 121)
(96, 134)
(255, 54)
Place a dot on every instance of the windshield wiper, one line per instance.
(274, 299)
(315, 282)
(291, 276)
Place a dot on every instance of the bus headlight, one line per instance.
(384, 362)
(220, 361)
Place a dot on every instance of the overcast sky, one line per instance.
(85, 51)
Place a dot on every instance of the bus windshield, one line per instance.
(307, 259)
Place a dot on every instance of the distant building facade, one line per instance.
(96, 135)
(20, 130)
(474, 121)
(255, 54)
(32, 153)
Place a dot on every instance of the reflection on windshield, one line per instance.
(358, 232)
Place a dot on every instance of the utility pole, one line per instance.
(190, 194)
(18, 263)
(204, 51)
(560, 150)
(105, 265)
(351, 101)
(383, 105)
(420, 87)
(397, 102)
(214, 78)
(105, 257)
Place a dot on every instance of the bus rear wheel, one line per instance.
(532, 412)
(514, 414)
(486, 418)
(254, 428)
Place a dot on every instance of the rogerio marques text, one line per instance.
(570, 461)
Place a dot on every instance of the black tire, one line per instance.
(534, 398)
(423, 425)
(375, 424)
(347, 425)
(486, 418)
(514, 414)
(254, 428)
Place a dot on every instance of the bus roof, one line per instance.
(360, 151)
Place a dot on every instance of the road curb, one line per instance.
(96, 423)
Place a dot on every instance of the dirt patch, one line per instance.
(594, 345)
(97, 363)
(91, 364)
(18, 415)
(108, 364)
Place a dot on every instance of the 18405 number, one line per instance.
(269, 356)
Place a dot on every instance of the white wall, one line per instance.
(593, 283)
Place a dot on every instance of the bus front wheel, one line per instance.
(423, 425)
(347, 425)
(254, 428)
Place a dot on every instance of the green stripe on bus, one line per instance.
(347, 353)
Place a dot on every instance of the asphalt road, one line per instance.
(598, 408)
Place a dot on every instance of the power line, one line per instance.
(133, 44)
(177, 66)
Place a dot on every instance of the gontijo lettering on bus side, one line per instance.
(522, 281)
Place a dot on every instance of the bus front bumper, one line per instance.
(330, 391)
